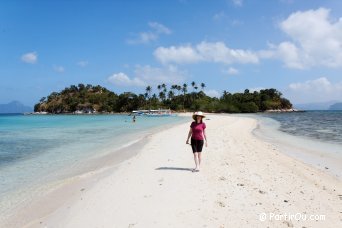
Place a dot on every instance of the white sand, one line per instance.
(240, 178)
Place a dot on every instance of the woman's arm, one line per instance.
(189, 135)
(205, 137)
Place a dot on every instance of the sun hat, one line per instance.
(199, 113)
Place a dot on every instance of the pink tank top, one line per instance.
(197, 130)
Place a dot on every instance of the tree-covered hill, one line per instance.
(89, 98)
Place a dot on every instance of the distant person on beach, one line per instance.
(134, 119)
(197, 134)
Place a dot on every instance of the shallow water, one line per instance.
(293, 134)
(325, 126)
(37, 149)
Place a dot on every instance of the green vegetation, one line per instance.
(88, 98)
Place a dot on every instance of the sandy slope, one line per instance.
(240, 178)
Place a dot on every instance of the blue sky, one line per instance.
(291, 45)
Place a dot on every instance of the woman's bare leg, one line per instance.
(199, 160)
(196, 160)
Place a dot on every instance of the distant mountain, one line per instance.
(336, 106)
(14, 107)
(315, 106)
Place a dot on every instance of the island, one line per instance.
(92, 99)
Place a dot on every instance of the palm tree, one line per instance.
(173, 88)
(170, 94)
(145, 98)
(164, 87)
(145, 95)
(202, 86)
(148, 91)
(184, 90)
(162, 95)
(154, 99)
(159, 87)
(195, 95)
(225, 93)
(193, 84)
(178, 88)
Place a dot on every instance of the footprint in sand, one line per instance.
(161, 181)
(221, 204)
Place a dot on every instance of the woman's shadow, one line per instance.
(174, 168)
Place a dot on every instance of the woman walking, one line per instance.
(197, 134)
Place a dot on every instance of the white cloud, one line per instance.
(238, 2)
(82, 63)
(219, 16)
(154, 75)
(146, 37)
(222, 16)
(148, 75)
(181, 54)
(121, 79)
(316, 40)
(31, 57)
(219, 52)
(212, 93)
(205, 51)
(143, 38)
(231, 71)
(157, 29)
(317, 90)
(289, 53)
(58, 69)
(321, 84)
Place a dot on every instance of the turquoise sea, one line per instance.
(36, 149)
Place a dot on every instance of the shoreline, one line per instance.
(97, 197)
(73, 176)
(321, 155)
(173, 112)
(58, 193)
